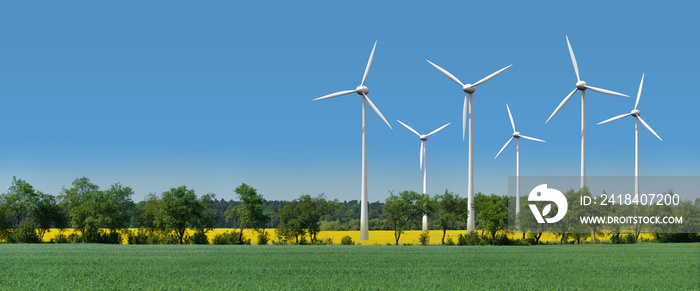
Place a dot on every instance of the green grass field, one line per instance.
(90, 266)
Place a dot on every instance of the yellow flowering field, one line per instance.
(376, 237)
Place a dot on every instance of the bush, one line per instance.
(677, 237)
(503, 240)
(75, 238)
(61, 239)
(424, 238)
(449, 241)
(26, 233)
(325, 241)
(470, 239)
(200, 238)
(616, 238)
(630, 238)
(230, 238)
(263, 238)
(138, 237)
(347, 241)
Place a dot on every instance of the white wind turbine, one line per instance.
(637, 118)
(581, 85)
(424, 161)
(362, 90)
(516, 135)
(469, 90)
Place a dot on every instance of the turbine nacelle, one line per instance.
(362, 90)
(635, 113)
(516, 134)
(581, 85)
(469, 88)
(424, 137)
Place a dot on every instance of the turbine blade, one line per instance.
(649, 128)
(336, 94)
(434, 131)
(369, 64)
(573, 59)
(421, 154)
(376, 110)
(639, 93)
(532, 138)
(409, 128)
(447, 74)
(561, 105)
(599, 90)
(503, 148)
(511, 118)
(491, 76)
(464, 118)
(614, 118)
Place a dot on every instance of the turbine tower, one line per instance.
(362, 90)
(469, 90)
(581, 85)
(637, 118)
(517, 136)
(423, 160)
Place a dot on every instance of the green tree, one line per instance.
(179, 208)
(528, 222)
(302, 216)
(149, 215)
(48, 213)
(250, 211)
(493, 215)
(19, 201)
(449, 207)
(403, 209)
(84, 202)
(291, 226)
(117, 208)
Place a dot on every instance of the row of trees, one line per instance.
(26, 214)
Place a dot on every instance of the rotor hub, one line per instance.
(469, 88)
(635, 113)
(362, 89)
(423, 137)
(516, 134)
(581, 85)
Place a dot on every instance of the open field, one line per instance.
(92, 266)
(376, 237)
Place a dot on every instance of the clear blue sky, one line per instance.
(161, 94)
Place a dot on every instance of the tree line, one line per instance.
(105, 215)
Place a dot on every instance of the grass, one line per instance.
(90, 266)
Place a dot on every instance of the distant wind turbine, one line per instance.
(517, 136)
(469, 90)
(423, 162)
(581, 85)
(362, 90)
(637, 118)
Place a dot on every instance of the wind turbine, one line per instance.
(581, 85)
(517, 136)
(637, 118)
(362, 90)
(423, 160)
(469, 90)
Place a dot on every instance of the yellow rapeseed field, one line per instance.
(376, 237)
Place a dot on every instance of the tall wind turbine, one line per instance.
(469, 90)
(424, 160)
(362, 90)
(581, 85)
(637, 118)
(517, 136)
